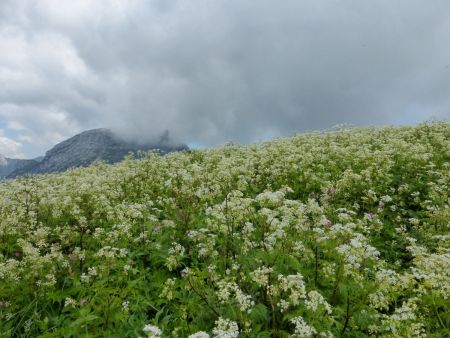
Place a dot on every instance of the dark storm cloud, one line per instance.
(213, 71)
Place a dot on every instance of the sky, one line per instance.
(214, 71)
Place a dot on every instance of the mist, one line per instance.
(210, 72)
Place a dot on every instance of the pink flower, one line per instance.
(157, 229)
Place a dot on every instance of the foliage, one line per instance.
(343, 233)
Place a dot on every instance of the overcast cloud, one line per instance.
(211, 71)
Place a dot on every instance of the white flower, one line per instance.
(230, 290)
(302, 329)
(167, 291)
(316, 300)
(152, 331)
(225, 328)
(261, 275)
(200, 334)
(70, 302)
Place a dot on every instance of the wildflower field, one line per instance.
(338, 234)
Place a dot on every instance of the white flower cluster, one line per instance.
(302, 329)
(432, 270)
(389, 285)
(70, 302)
(357, 252)
(271, 199)
(261, 276)
(225, 328)
(404, 321)
(200, 334)
(167, 291)
(176, 253)
(316, 302)
(110, 252)
(230, 291)
(293, 286)
(152, 331)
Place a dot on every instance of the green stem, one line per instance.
(203, 298)
(438, 316)
(347, 315)
(316, 275)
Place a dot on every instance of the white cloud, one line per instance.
(24, 138)
(214, 71)
(9, 147)
(40, 127)
(42, 78)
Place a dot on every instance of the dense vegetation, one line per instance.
(342, 234)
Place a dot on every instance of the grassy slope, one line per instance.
(343, 233)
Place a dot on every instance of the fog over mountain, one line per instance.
(215, 71)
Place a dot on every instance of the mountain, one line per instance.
(9, 165)
(83, 149)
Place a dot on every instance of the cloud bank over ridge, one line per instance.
(214, 71)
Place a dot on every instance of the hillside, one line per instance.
(342, 234)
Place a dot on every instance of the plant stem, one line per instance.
(316, 275)
(203, 298)
(438, 316)
(347, 315)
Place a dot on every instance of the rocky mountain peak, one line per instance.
(97, 144)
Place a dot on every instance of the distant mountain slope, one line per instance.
(83, 149)
(9, 165)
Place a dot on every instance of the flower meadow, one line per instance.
(328, 234)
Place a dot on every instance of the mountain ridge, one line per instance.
(9, 165)
(89, 146)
